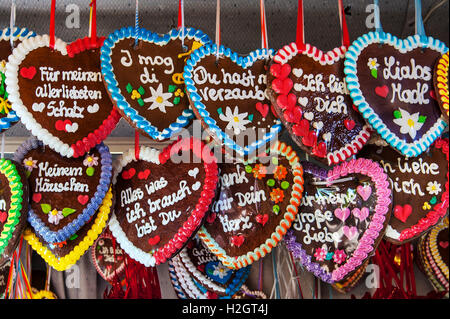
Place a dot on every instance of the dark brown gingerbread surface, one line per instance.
(154, 201)
(60, 187)
(250, 205)
(65, 95)
(442, 245)
(399, 88)
(150, 78)
(418, 185)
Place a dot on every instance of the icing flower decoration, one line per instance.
(409, 124)
(236, 120)
(55, 216)
(280, 172)
(220, 271)
(339, 256)
(373, 65)
(29, 163)
(277, 195)
(426, 206)
(159, 99)
(433, 188)
(259, 171)
(90, 161)
(179, 92)
(320, 254)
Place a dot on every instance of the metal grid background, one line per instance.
(240, 25)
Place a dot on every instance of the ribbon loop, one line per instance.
(419, 27)
(300, 35)
(93, 22)
(344, 29)
(376, 12)
(52, 24)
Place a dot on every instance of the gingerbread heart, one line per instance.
(147, 82)
(107, 256)
(58, 213)
(270, 184)
(437, 253)
(332, 244)
(420, 188)
(204, 267)
(155, 217)
(8, 117)
(317, 109)
(13, 207)
(59, 93)
(63, 255)
(228, 95)
(440, 80)
(391, 82)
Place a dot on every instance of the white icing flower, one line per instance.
(29, 163)
(220, 271)
(409, 124)
(433, 188)
(159, 99)
(372, 63)
(236, 120)
(90, 160)
(54, 216)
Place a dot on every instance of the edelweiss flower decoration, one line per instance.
(409, 123)
(159, 99)
(236, 121)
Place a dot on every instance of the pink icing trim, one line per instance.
(365, 245)
(439, 210)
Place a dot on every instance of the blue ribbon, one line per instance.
(420, 29)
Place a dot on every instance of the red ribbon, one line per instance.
(52, 24)
(136, 144)
(179, 15)
(93, 4)
(300, 36)
(262, 11)
(345, 35)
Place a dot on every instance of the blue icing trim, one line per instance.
(243, 62)
(12, 118)
(67, 231)
(408, 149)
(112, 85)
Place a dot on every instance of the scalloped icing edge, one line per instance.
(433, 246)
(173, 278)
(196, 100)
(185, 281)
(442, 82)
(373, 232)
(433, 216)
(90, 209)
(86, 143)
(117, 272)
(327, 58)
(426, 268)
(403, 46)
(232, 288)
(19, 34)
(64, 263)
(9, 170)
(285, 223)
(441, 278)
(112, 85)
(183, 234)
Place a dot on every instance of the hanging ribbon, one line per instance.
(93, 22)
(217, 28)
(300, 36)
(181, 22)
(52, 24)
(343, 21)
(136, 24)
(12, 21)
(376, 12)
(136, 144)
(419, 27)
(264, 39)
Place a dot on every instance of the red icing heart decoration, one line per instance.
(28, 73)
(420, 188)
(59, 93)
(156, 216)
(144, 174)
(443, 244)
(382, 91)
(83, 199)
(315, 84)
(402, 212)
(256, 205)
(37, 197)
(331, 237)
(262, 108)
(3, 216)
